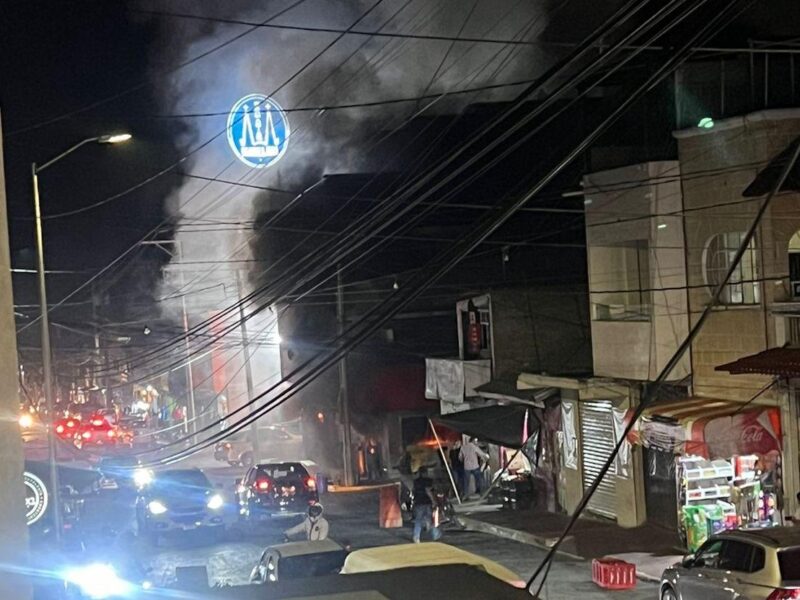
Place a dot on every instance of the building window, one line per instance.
(743, 287)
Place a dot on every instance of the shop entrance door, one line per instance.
(660, 488)
(597, 444)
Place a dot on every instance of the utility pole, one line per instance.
(344, 402)
(47, 368)
(189, 377)
(13, 527)
(97, 360)
(248, 368)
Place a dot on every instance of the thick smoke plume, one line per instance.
(213, 221)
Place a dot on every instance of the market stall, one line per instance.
(728, 462)
(513, 435)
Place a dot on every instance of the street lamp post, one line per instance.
(45, 320)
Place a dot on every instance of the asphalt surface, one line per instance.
(353, 519)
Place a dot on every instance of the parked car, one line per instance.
(237, 449)
(95, 431)
(276, 489)
(744, 563)
(66, 428)
(294, 560)
(179, 500)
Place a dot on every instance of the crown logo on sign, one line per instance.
(258, 139)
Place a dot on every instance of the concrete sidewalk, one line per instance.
(650, 547)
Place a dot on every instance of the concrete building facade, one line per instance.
(757, 312)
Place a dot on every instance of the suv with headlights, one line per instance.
(744, 563)
(179, 500)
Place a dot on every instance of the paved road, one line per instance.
(353, 518)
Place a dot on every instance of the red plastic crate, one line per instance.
(613, 574)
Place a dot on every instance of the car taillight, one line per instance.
(97, 422)
(60, 429)
(262, 485)
(86, 435)
(311, 483)
(782, 594)
(110, 433)
(70, 424)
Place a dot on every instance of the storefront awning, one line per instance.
(784, 362)
(503, 425)
(710, 428)
(503, 390)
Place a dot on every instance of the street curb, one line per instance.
(545, 543)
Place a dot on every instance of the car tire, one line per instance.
(246, 460)
(667, 593)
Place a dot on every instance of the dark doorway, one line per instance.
(660, 488)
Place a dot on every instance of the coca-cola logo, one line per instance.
(752, 434)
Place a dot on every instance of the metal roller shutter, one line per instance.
(597, 443)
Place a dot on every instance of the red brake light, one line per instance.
(311, 483)
(60, 429)
(781, 594)
(110, 433)
(87, 435)
(97, 422)
(70, 423)
(262, 485)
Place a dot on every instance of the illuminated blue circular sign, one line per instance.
(258, 131)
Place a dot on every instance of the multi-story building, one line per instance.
(661, 236)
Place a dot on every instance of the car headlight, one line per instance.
(215, 502)
(98, 581)
(156, 508)
(142, 477)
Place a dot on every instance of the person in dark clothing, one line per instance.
(457, 465)
(373, 460)
(423, 506)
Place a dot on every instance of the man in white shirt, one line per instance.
(315, 526)
(471, 454)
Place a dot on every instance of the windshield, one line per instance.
(182, 481)
(311, 565)
(789, 560)
(119, 461)
(277, 471)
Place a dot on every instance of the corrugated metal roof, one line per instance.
(784, 362)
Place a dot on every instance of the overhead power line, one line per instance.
(767, 49)
(148, 80)
(366, 326)
(249, 299)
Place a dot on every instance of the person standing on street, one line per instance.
(373, 460)
(423, 506)
(457, 464)
(471, 454)
(315, 526)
